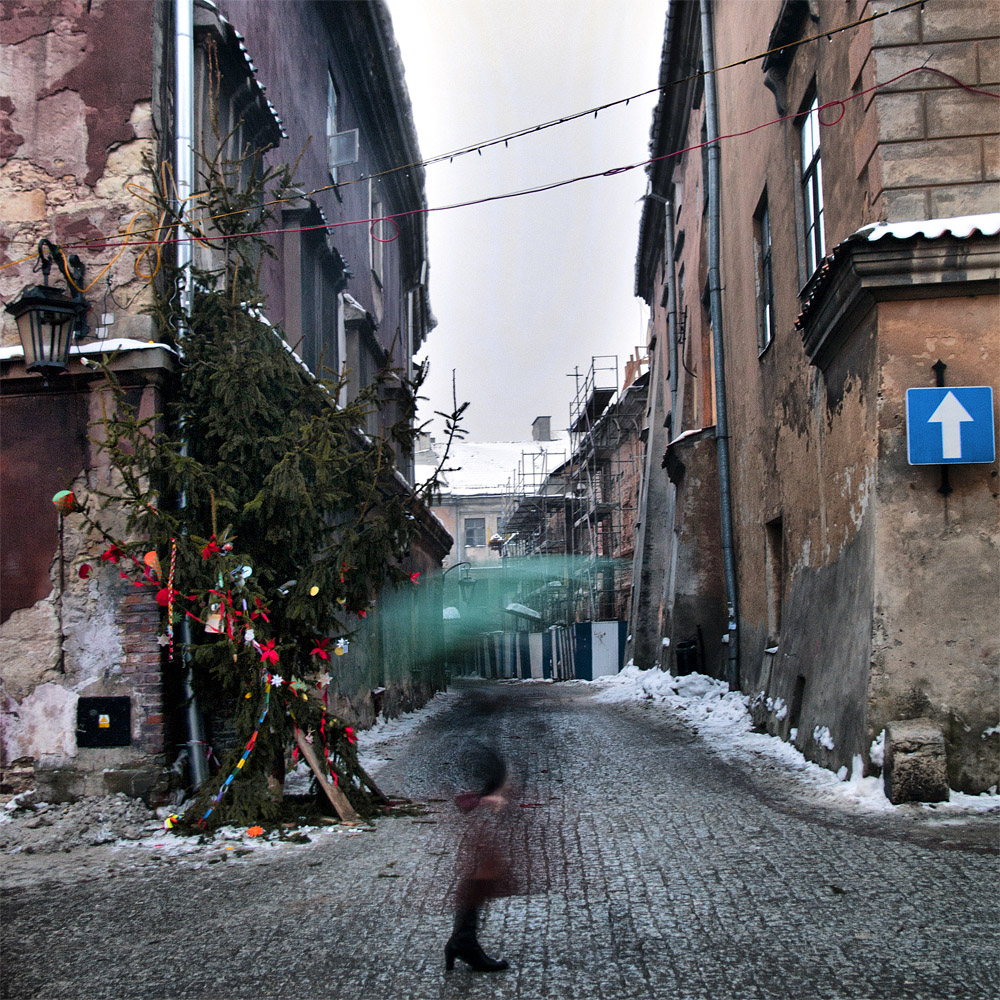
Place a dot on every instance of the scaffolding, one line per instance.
(583, 508)
(533, 497)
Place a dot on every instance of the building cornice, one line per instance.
(860, 273)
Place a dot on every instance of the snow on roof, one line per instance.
(523, 612)
(488, 466)
(687, 434)
(960, 226)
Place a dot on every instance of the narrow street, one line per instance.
(653, 868)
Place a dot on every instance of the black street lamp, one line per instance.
(47, 318)
(466, 585)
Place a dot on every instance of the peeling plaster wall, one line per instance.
(92, 633)
(76, 93)
(937, 582)
(42, 725)
(803, 453)
(863, 595)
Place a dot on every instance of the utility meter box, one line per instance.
(104, 722)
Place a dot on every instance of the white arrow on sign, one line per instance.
(950, 414)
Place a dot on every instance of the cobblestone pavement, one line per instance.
(653, 869)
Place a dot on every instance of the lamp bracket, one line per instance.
(72, 269)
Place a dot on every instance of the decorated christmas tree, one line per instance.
(261, 514)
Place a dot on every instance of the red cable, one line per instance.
(613, 171)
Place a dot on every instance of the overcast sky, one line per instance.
(527, 289)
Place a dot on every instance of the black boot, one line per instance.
(463, 944)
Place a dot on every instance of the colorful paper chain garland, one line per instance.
(242, 760)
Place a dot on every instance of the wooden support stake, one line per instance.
(338, 800)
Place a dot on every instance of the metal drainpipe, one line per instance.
(184, 178)
(715, 306)
(668, 222)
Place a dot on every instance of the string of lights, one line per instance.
(553, 123)
(525, 131)
(838, 104)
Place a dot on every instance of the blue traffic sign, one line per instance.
(950, 425)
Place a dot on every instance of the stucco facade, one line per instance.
(865, 596)
(88, 101)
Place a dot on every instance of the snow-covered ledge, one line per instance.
(99, 347)
(959, 226)
(123, 355)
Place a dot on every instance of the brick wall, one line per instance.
(139, 618)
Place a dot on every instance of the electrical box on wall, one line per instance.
(104, 722)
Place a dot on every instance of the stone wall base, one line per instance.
(916, 765)
(153, 784)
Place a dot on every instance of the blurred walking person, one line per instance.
(485, 869)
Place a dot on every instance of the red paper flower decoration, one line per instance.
(212, 549)
(320, 649)
(111, 555)
(268, 654)
(362, 613)
(349, 733)
(415, 577)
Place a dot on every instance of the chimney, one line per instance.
(541, 429)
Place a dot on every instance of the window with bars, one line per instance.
(764, 275)
(812, 187)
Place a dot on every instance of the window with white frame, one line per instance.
(376, 237)
(764, 275)
(812, 188)
(475, 532)
(331, 123)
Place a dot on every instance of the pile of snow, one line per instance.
(376, 746)
(722, 718)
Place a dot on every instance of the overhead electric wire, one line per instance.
(840, 103)
(552, 123)
(522, 132)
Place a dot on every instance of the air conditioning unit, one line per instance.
(342, 148)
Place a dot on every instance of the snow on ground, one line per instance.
(29, 825)
(377, 746)
(722, 718)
